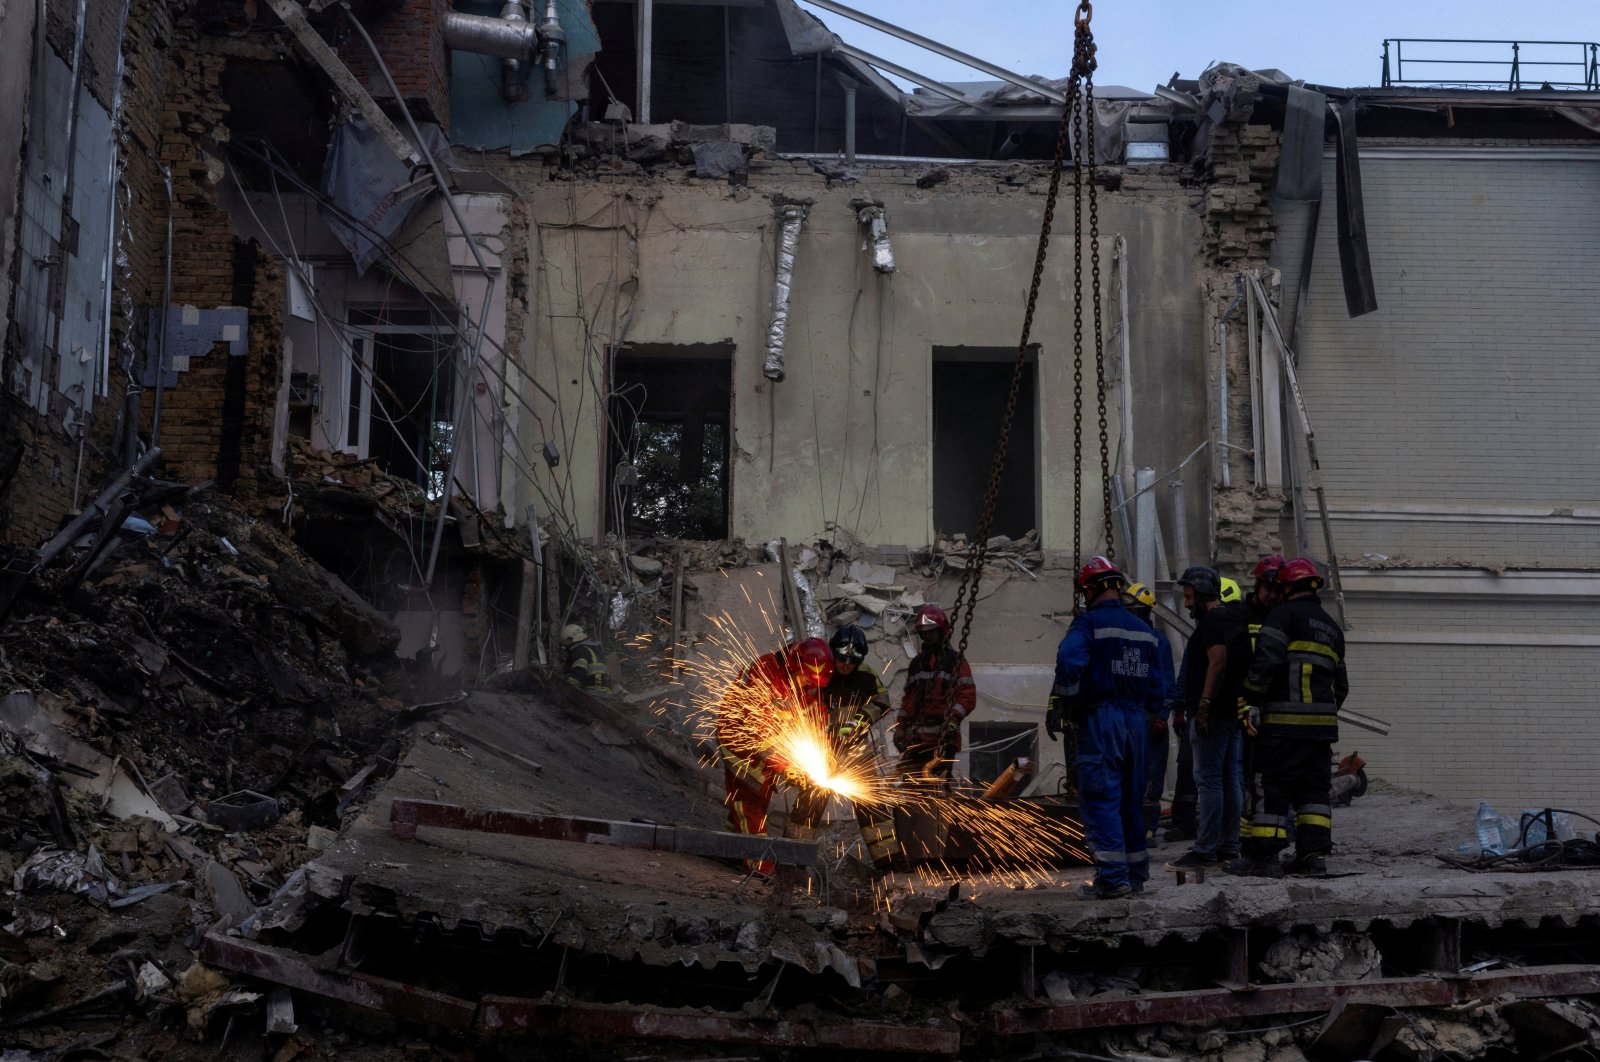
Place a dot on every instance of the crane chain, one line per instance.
(1080, 96)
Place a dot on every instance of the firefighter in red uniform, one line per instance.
(939, 694)
(789, 680)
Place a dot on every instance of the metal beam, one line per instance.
(283, 967)
(406, 815)
(507, 1015)
(643, 46)
(910, 75)
(294, 17)
(1254, 1001)
(937, 48)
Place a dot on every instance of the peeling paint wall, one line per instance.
(845, 439)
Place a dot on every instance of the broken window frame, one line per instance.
(1002, 357)
(365, 323)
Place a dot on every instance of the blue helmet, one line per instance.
(849, 644)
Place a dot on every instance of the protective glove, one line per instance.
(851, 729)
(1053, 719)
(950, 739)
(1202, 718)
(1249, 718)
(897, 735)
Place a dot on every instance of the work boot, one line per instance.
(1192, 860)
(1310, 865)
(1096, 891)
(1247, 867)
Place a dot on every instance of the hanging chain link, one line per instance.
(1080, 92)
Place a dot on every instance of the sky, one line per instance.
(1141, 43)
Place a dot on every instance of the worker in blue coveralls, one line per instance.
(1140, 600)
(1107, 683)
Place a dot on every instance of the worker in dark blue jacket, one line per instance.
(1106, 683)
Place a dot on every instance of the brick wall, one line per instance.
(411, 41)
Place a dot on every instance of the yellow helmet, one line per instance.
(1230, 591)
(1139, 595)
(571, 635)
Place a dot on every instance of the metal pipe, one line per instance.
(1180, 528)
(794, 216)
(903, 71)
(511, 12)
(942, 49)
(643, 44)
(1119, 259)
(166, 307)
(487, 35)
(1144, 526)
(552, 49)
(850, 124)
(69, 534)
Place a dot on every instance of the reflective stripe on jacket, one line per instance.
(1109, 657)
(586, 668)
(939, 689)
(1298, 674)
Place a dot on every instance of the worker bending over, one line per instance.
(855, 700)
(1297, 683)
(1106, 686)
(585, 668)
(789, 680)
(939, 694)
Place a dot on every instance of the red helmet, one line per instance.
(811, 663)
(1301, 570)
(1267, 568)
(930, 617)
(1099, 570)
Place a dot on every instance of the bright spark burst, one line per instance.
(757, 716)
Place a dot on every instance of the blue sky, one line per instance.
(1141, 42)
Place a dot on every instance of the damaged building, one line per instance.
(353, 351)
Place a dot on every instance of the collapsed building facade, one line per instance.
(493, 307)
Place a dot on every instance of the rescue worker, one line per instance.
(1262, 600)
(855, 699)
(939, 694)
(1215, 662)
(1297, 682)
(788, 680)
(1141, 601)
(585, 668)
(1107, 683)
(1185, 797)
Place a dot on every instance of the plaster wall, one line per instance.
(844, 441)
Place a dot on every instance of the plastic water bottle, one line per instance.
(1491, 838)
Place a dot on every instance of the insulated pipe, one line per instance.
(871, 215)
(1144, 525)
(512, 14)
(1222, 374)
(793, 215)
(1180, 528)
(552, 47)
(485, 35)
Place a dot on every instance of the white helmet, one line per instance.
(571, 635)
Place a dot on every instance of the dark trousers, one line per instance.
(1185, 794)
(1287, 772)
(1155, 778)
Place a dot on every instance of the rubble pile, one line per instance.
(1003, 554)
(189, 707)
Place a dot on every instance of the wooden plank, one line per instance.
(523, 652)
(406, 815)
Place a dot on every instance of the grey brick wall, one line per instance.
(1475, 385)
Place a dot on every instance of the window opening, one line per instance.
(399, 394)
(992, 747)
(970, 385)
(668, 441)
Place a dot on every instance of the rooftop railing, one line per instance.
(1509, 65)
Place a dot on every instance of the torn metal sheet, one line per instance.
(793, 216)
(363, 177)
(1360, 294)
